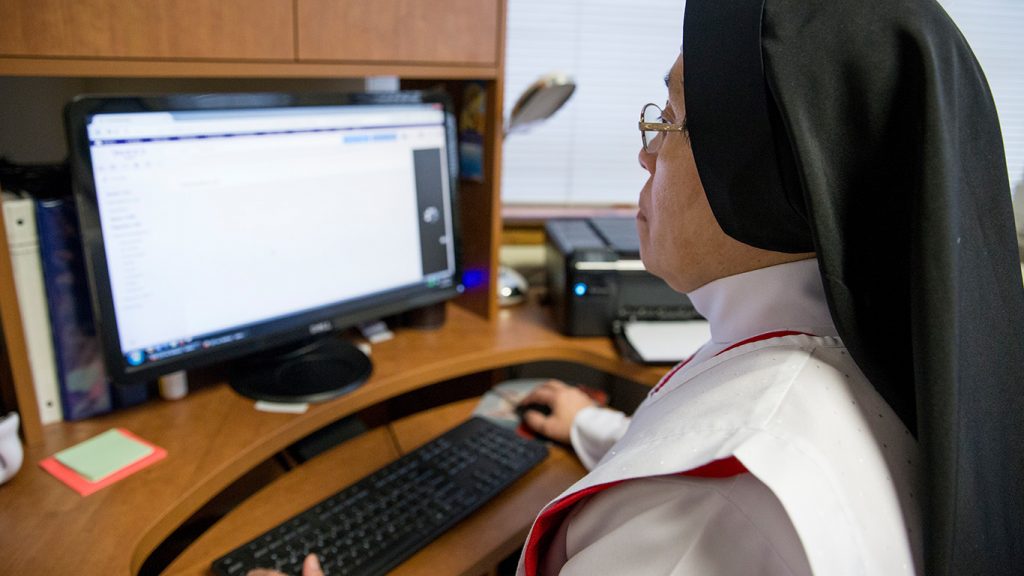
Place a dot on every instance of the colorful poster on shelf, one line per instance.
(472, 122)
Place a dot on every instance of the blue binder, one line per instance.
(84, 388)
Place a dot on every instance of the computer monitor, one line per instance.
(226, 226)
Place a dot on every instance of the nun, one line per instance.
(827, 183)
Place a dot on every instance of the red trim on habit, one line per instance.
(758, 338)
(671, 373)
(765, 336)
(544, 528)
(549, 520)
(552, 517)
(722, 468)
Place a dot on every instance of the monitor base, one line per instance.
(312, 372)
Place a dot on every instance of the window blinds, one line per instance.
(619, 51)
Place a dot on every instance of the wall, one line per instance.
(31, 125)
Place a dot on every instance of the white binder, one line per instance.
(23, 241)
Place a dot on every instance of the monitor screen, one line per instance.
(226, 225)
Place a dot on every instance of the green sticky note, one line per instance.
(102, 455)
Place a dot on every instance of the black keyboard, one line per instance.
(375, 524)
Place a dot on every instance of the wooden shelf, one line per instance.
(427, 41)
(138, 68)
(466, 34)
(158, 29)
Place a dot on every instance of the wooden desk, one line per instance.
(214, 436)
(472, 547)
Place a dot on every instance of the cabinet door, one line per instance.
(414, 31)
(192, 29)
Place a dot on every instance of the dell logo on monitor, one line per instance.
(320, 327)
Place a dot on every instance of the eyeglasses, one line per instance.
(649, 131)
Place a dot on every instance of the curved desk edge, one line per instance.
(472, 547)
(214, 437)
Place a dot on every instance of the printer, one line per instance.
(596, 279)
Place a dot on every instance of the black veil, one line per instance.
(864, 130)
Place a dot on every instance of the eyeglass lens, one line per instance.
(651, 113)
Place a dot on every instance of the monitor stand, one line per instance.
(309, 372)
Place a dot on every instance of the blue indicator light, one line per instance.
(579, 289)
(135, 357)
(473, 278)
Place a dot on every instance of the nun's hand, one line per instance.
(564, 402)
(310, 567)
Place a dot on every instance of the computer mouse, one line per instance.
(522, 409)
(512, 286)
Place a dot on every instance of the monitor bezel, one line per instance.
(282, 332)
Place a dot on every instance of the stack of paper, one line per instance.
(102, 460)
(661, 342)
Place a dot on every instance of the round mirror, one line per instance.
(540, 100)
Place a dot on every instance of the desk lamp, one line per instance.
(540, 101)
(537, 103)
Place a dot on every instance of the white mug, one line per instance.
(11, 454)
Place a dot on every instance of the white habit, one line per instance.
(768, 452)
